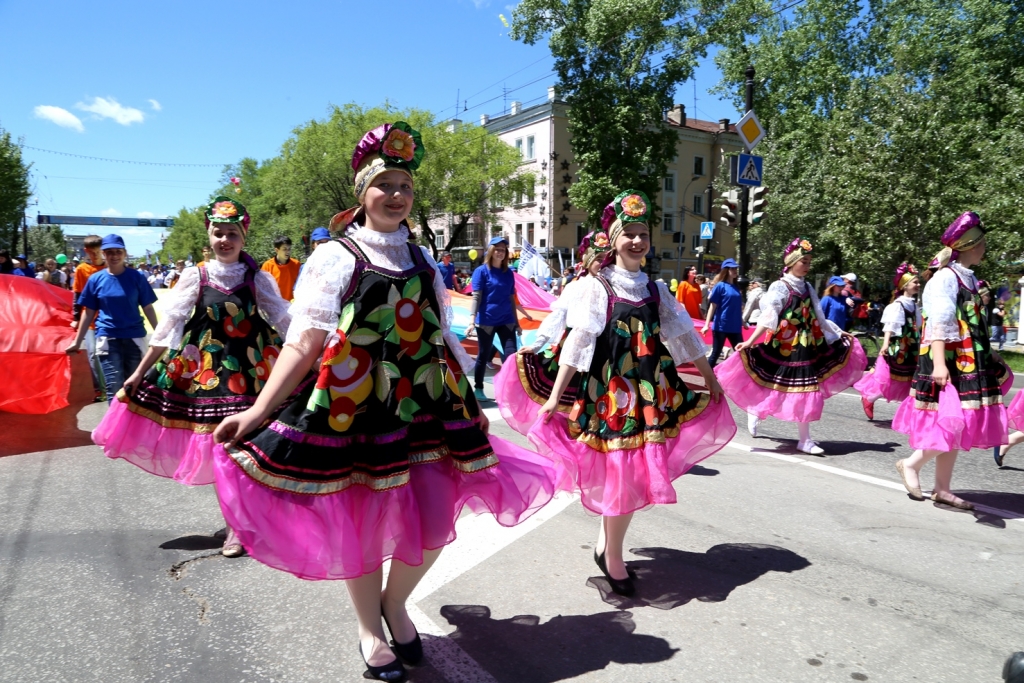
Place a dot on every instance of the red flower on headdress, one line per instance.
(224, 210)
(633, 205)
(399, 144)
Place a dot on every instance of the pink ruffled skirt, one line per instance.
(616, 482)
(179, 454)
(803, 406)
(350, 533)
(951, 427)
(878, 383)
(1015, 412)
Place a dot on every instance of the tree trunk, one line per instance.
(457, 231)
(427, 232)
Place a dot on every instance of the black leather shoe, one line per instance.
(392, 671)
(412, 652)
(624, 586)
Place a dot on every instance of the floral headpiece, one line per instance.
(905, 273)
(224, 210)
(390, 147)
(796, 250)
(631, 206)
(594, 244)
(962, 234)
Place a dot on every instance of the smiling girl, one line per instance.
(629, 426)
(207, 359)
(804, 359)
(386, 443)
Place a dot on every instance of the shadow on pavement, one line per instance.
(788, 446)
(523, 649)
(699, 471)
(671, 578)
(194, 542)
(51, 431)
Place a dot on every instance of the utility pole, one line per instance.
(742, 281)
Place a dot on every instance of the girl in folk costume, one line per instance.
(956, 401)
(385, 444)
(804, 359)
(897, 359)
(612, 408)
(208, 358)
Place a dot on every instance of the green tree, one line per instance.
(14, 191)
(45, 241)
(618, 64)
(188, 236)
(885, 122)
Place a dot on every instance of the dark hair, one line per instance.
(92, 241)
(281, 240)
(7, 267)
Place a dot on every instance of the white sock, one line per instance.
(752, 421)
(805, 430)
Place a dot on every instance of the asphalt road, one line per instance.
(773, 566)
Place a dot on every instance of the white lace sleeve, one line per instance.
(772, 303)
(272, 307)
(892, 318)
(677, 331)
(317, 303)
(831, 330)
(554, 324)
(939, 301)
(176, 310)
(587, 319)
(444, 300)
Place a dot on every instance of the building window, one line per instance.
(529, 233)
(698, 166)
(543, 243)
(698, 204)
(695, 241)
(531, 194)
(667, 224)
(670, 183)
(439, 241)
(472, 236)
(519, 234)
(530, 151)
(519, 147)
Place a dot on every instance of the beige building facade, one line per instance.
(550, 222)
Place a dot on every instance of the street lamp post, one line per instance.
(744, 264)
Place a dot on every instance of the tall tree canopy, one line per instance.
(618, 64)
(886, 120)
(14, 191)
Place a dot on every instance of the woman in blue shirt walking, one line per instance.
(834, 305)
(494, 309)
(113, 297)
(725, 310)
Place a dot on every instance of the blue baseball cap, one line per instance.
(730, 263)
(112, 241)
(320, 234)
(836, 280)
(498, 240)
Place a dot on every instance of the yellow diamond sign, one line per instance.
(750, 130)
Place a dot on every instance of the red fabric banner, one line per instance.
(35, 328)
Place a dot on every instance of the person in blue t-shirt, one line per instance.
(113, 297)
(725, 310)
(834, 304)
(494, 309)
(447, 269)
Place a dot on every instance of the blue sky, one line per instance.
(211, 82)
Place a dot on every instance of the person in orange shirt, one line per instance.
(283, 267)
(207, 256)
(689, 295)
(92, 264)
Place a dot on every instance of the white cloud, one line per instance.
(138, 232)
(145, 214)
(111, 213)
(62, 117)
(105, 108)
(156, 105)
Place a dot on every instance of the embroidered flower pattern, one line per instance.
(224, 210)
(399, 144)
(633, 205)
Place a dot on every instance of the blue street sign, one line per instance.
(748, 170)
(707, 230)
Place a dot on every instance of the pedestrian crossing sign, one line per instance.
(749, 170)
(707, 230)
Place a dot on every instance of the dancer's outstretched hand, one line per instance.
(232, 428)
(547, 410)
(715, 389)
(746, 344)
(526, 350)
(940, 374)
(485, 424)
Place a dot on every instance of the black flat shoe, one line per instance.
(392, 671)
(412, 652)
(998, 456)
(623, 587)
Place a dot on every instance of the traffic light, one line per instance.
(730, 205)
(758, 204)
